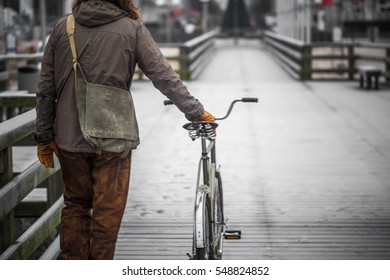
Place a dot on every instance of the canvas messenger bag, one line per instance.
(106, 114)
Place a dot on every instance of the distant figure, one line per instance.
(236, 20)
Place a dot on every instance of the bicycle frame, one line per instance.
(209, 223)
(206, 170)
(210, 172)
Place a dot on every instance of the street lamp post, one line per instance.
(42, 8)
(1, 20)
(308, 21)
(168, 26)
(205, 12)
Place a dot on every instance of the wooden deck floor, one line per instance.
(305, 171)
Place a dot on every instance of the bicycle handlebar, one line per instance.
(244, 99)
(249, 99)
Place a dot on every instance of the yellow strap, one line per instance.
(70, 27)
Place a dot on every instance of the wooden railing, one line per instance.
(195, 54)
(326, 61)
(13, 103)
(188, 59)
(17, 201)
(289, 53)
(8, 73)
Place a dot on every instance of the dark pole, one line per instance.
(235, 21)
(2, 20)
(42, 10)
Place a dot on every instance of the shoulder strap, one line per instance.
(70, 26)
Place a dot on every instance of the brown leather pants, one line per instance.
(95, 196)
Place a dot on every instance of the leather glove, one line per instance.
(45, 153)
(206, 117)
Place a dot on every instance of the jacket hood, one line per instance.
(96, 13)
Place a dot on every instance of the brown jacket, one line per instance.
(109, 45)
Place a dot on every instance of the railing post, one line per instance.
(387, 65)
(185, 72)
(55, 188)
(306, 63)
(7, 225)
(3, 75)
(351, 62)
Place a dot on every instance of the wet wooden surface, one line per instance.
(305, 171)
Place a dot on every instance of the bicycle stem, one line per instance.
(206, 150)
(205, 162)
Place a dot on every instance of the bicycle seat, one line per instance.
(200, 125)
(201, 129)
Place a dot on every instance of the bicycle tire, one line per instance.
(202, 230)
(219, 219)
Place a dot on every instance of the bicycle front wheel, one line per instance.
(202, 245)
(219, 219)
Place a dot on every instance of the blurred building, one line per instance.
(370, 19)
(24, 16)
(161, 17)
(30, 21)
(178, 20)
(333, 20)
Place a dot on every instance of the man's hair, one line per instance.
(126, 5)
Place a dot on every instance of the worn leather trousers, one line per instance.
(96, 188)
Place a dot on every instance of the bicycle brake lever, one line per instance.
(168, 102)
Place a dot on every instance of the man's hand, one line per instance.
(206, 117)
(45, 153)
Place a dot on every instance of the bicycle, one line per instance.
(209, 222)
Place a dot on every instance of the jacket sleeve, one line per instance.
(156, 67)
(46, 97)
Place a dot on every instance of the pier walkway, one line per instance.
(305, 171)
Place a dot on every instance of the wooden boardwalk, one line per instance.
(305, 171)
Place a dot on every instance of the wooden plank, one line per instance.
(287, 40)
(297, 55)
(29, 241)
(30, 209)
(17, 128)
(20, 98)
(17, 189)
(198, 40)
(7, 222)
(52, 251)
(38, 56)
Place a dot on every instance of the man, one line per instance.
(110, 41)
